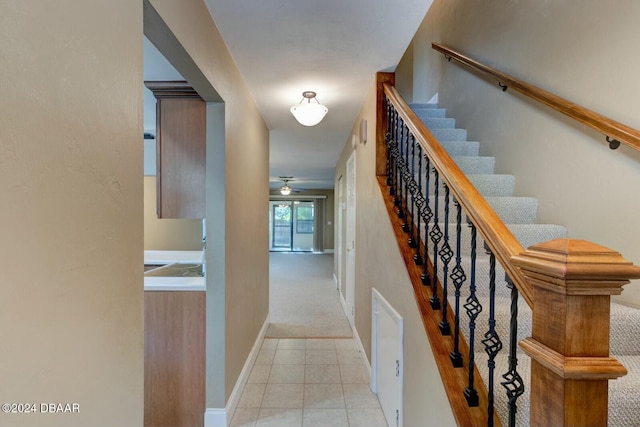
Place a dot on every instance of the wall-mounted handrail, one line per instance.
(495, 233)
(614, 131)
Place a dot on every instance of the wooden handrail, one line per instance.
(496, 235)
(615, 132)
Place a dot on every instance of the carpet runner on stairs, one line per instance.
(519, 214)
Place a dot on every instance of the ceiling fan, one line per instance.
(286, 189)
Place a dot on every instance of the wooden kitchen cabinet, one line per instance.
(181, 150)
(174, 358)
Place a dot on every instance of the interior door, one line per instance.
(339, 236)
(350, 214)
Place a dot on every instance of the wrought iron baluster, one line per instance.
(393, 144)
(417, 258)
(436, 236)
(513, 382)
(399, 166)
(491, 341)
(405, 177)
(387, 138)
(445, 254)
(458, 277)
(413, 187)
(396, 159)
(427, 215)
(473, 308)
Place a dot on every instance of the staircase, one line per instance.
(519, 214)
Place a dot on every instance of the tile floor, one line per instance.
(308, 383)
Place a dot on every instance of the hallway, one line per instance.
(309, 371)
(303, 299)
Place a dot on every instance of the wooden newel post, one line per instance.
(381, 121)
(572, 282)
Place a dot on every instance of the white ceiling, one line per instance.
(332, 47)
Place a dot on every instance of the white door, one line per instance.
(339, 234)
(351, 239)
(387, 369)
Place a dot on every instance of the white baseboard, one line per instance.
(356, 337)
(221, 417)
(215, 417)
(335, 280)
(343, 303)
(329, 251)
(367, 365)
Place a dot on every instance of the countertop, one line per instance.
(173, 283)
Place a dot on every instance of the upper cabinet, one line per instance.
(181, 150)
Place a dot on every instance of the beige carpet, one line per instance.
(303, 299)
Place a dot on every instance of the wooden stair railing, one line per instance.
(614, 131)
(567, 283)
(495, 233)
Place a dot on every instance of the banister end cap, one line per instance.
(573, 259)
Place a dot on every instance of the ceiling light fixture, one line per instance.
(285, 190)
(308, 113)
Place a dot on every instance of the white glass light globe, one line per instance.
(308, 113)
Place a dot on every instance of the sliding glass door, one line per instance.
(292, 225)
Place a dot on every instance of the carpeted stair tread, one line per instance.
(512, 210)
(493, 184)
(449, 134)
(487, 184)
(439, 123)
(475, 164)
(430, 113)
(421, 105)
(625, 331)
(624, 399)
(515, 210)
(530, 234)
(461, 148)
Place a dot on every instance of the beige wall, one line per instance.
(578, 49)
(237, 193)
(379, 265)
(71, 307)
(71, 290)
(168, 234)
